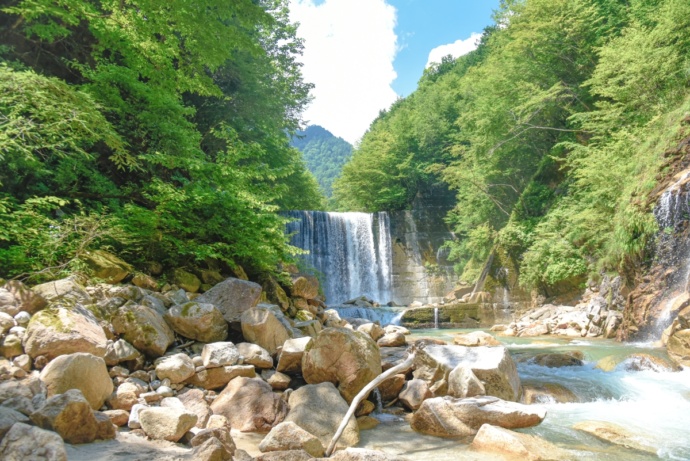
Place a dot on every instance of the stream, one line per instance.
(653, 405)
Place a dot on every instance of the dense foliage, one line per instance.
(324, 153)
(158, 129)
(552, 133)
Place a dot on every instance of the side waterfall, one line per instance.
(349, 252)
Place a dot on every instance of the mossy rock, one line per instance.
(186, 280)
(458, 315)
(107, 266)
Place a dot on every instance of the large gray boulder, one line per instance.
(59, 331)
(349, 359)
(232, 297)
(493, 366)
(81, 371)
(24, 442)
(451, 417)
(143, 328)
(261, 325)
(319, 409)
(250, 405)
(198, 321)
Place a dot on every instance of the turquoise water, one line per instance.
(654, 406)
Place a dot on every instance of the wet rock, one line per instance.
(289, 436)
(23, 442)
(307, 411)
(232, 297)
(162, 423)
(143, 328)
(81, 371)
(255, 355)
(106, 266)
(250, 405)
(215, 378)
(451, 417)
(176, 368)
(678, 347)
(69, 415)
(616, 435)
(476, 338)
(517, 446)
(59, 331)
(219, 354)
(342, 356)
(261, 326)
(290, 358)
(556, 360)
(547, 393)
(413, 393)
(201, 322)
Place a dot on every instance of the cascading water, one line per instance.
(350, 252)
(436, 318)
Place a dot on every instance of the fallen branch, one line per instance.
(363, 393)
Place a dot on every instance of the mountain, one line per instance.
(324, 153)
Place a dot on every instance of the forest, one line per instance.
(552, 133)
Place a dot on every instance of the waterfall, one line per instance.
(436, 317)
(349, 252)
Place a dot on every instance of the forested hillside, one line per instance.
(158, 130)
(552, 133)
(324, 154)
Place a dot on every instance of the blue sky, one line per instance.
(362, 55)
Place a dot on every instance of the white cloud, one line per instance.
(455, 49)
(348, 55)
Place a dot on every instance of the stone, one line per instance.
(211, 449)
(69, 415)
(289, 436)
(250, 405)
(413, 393)
(290, 455)
(11, 346)
(372, 329)
(307, 406)
(362, 454)
(8, 303)
(309, 328)
(535, 329)
(396, 329)
(290, 358)
(118, 417)
(217, 421)
(106, 266)
(232, 297)
(493, 366)
(133, 422)
(59, 331)
(451, 417)
(201, 322)
(391, 387)
(12, 389)
(462, 383)
(556, 360)
(547, 393)
(143, 328)
(144, 281)
(64, 288)
(119, 351)
(9, 417)
(194, 402)
(6, 322)
(176, 368)
(367, 422)
(305, 286)
(220, 354)
(23, 442)
(392, 340)
(215, 378)
(277, 380)
(125, 396)
(261, 326)
(492, 439)
(678, 347)
(24, 298)
(81, 371)
(22, 318)
(105, 428)
(186, 280)
(254, 354)
(347, 358)
(476, 338)
(221, 434)
(162, 423)
(617, 435)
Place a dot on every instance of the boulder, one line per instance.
(194, 402)
(462, 382)
(232, 297)
(391, 387)
(9, 417)
(372, 329)
(201, 322)
(186, 280)
(305, 286)
(307, 406)
(23, 442)
(6, 322)
(106, 266)
(617, 435)
(517, 446)
(11, 346)
(64, 288)
(556, 360)
(164, 423)
(224, 442)
(144, 281)
(105, 428)
(261, 326)
(125, 396)
(59, 331)
(211, 449)
(492, 365)
(69, 415)
(8, 303)
(250, 405)
(118, 417)
(215, 378)
(277, 380)
(392, 340)
(451, 417)
(678, 347)
(119, 351)
(23, 298)
(220, 354)
(535, 329)
(547, 393)
(176, 368)
(476, 338)
(290, 358)
(256, 355)
(81, 371)
(144, 328)
(289, 436)
(413, 393)
(346, 358)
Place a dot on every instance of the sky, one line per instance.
(362, 55)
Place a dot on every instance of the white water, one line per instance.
(655, 406)
(349, 253)
(436, 318)
(384, 316)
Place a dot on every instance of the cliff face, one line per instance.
(420, 270)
